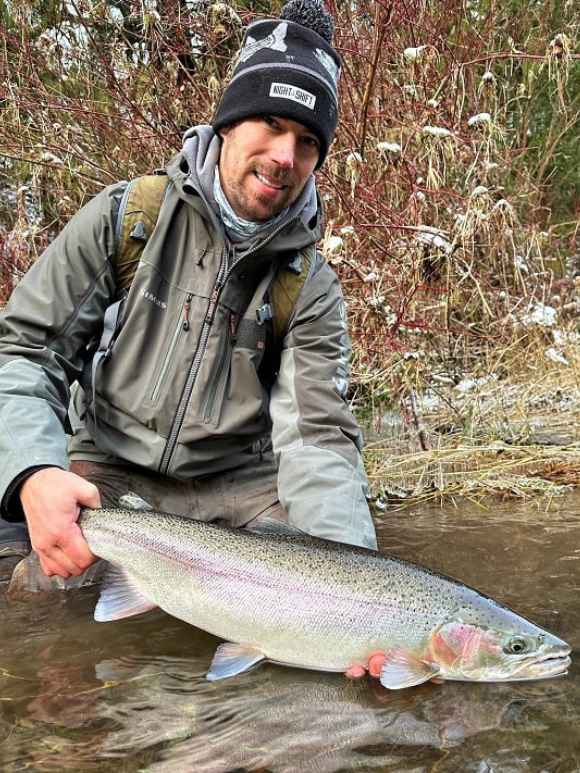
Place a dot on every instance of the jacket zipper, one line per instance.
(182, 325)
(223, 276)
(194, 368)
(221, 372)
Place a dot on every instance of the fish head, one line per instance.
(476, 652)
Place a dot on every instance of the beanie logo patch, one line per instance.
(287, 91)
(275, 41)
(328, 63)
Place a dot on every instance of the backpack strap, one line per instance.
(138, 213)
(279, 303)
(286, 287)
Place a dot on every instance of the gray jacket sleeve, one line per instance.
(321, 479)
(51, 316)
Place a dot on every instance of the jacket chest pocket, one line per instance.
(234, 383)
(221, 372)
(167, 361)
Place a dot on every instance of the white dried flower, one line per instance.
(437, 131)
(467, 384)
(347, 230)
(115, 15)
(414, 54)
(479, 119)
(433, 237)
(51, 158)
(433, 103)
(555, 356)
(488, 77)
(389, 147)
(503, 205)
(419, 196)
(520, 264)
(411, 90)
(479, 190)
(371, 277)
(333, 245)
(543, 316)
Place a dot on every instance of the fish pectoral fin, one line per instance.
(120, 597)
(231, 659)
(401, 669)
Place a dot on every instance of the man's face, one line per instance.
(265, 163)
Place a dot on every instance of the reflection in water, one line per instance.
(285, 720)
(131, 696)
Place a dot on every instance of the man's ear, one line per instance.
(224, 130)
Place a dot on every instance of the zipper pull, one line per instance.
(234, 321)
(213, 301)
(186, 310)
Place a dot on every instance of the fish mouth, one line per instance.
(544, 667)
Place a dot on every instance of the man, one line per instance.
(185, 400)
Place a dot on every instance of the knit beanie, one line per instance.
(287, 67)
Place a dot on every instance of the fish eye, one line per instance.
(515, 646)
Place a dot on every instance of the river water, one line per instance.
(131, 696)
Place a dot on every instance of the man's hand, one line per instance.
(52, 499)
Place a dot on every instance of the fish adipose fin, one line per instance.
(232, 659)
(132, 501)
(120, 597)
(401, 669)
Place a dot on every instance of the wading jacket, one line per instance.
(178, 389)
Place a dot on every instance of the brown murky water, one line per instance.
(76, 695)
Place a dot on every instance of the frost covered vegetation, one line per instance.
(452, 195)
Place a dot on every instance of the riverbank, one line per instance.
(512, 436)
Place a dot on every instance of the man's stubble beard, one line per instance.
(246, 205)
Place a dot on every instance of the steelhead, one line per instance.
(279, 595)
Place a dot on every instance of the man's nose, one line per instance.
(284, 150)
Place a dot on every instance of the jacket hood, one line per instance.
(192, 171)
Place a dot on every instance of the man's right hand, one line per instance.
(52, 499)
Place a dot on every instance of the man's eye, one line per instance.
(312, 142)
(269, 120)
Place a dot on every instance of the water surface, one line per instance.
(131, 696)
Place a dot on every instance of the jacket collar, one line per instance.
(192, 172)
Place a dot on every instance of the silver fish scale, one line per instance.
(302, 601)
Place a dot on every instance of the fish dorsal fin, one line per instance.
(231, 659)
(132, 501)
(402, 669)
(273, 526)
(120, 597)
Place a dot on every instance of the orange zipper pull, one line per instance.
(186, 310)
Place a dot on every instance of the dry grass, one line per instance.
(517, 436)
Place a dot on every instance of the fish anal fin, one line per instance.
(403, 669)
(120, 597)
(231, 659)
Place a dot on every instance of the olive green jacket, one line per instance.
(179, 388)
